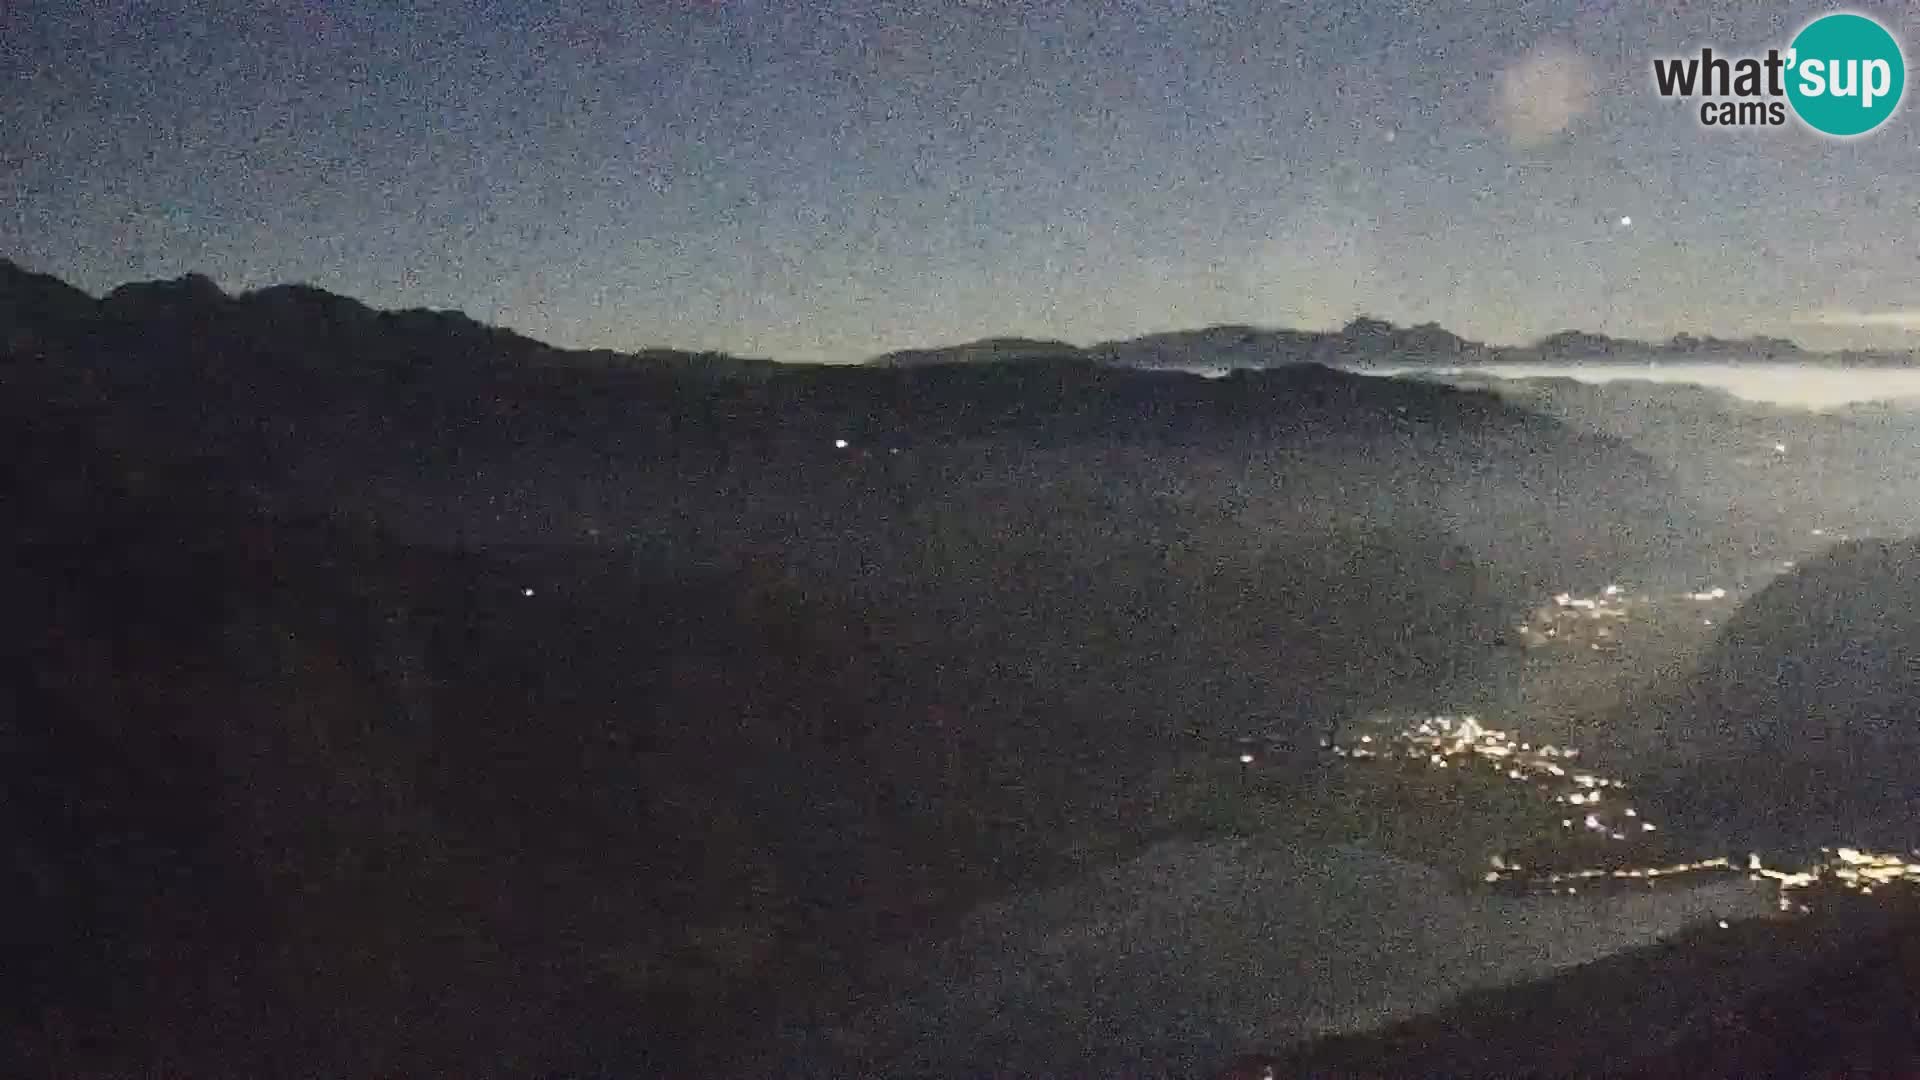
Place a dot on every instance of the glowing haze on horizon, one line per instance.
(1807, 386)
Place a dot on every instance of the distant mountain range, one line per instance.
(1374, 342)
(1363, 342)
(317, 324)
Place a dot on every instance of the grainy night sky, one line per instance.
(823, 181)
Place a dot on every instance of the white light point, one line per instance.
(526, 592)
(1246, 759)
(839, 444)
(1626, 220)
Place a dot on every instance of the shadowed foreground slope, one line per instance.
(295, 792)
(1828, 996)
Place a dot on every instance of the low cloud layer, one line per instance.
(1895, 320)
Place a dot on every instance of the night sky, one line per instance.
(815, 181)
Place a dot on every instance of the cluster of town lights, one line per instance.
(1848, 870)
(1569, 618)
(1549, 621)
(1443, 741)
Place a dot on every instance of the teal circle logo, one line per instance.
(1845, 75)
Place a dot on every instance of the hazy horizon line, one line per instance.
(1833, 318)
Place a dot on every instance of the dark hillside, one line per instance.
(1797, 729)
(1827, 996)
